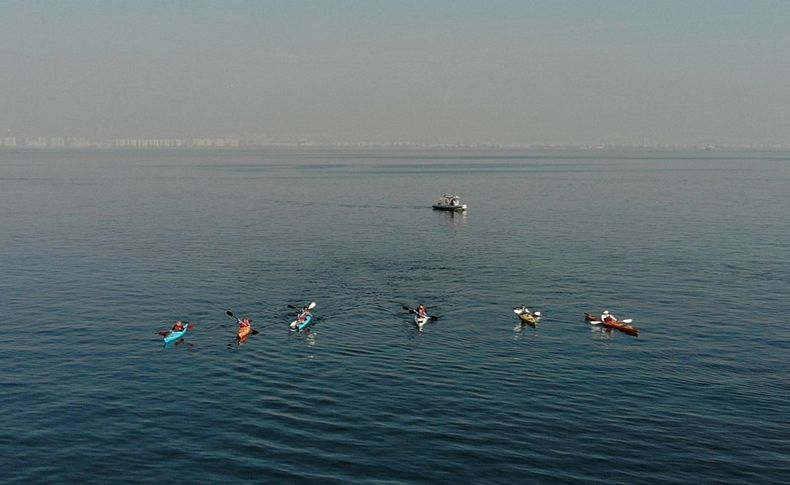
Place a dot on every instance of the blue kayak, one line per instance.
(174, 336)
(308, 322)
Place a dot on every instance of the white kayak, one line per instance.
(421, 321)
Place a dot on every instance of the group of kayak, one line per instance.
(303, 321)
(607, 320)
(527, 317)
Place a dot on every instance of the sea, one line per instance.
(100, 250)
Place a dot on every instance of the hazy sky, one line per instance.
(553, 71)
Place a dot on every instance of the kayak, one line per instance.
(174, 336)
(528, 319)
(300, 326)
(244, 332)
(421, 321)
(621, 326)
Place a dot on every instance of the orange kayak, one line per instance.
(623, 327)
(244, 332)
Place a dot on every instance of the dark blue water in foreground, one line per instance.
(101, 249)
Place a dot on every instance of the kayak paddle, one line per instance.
(230, 314)
(309, 307)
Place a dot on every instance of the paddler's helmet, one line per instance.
(606, 312)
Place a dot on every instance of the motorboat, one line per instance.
(450, 203)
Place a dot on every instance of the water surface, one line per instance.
(101, 249)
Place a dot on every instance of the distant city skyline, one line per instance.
(501, 72)
(230, 142)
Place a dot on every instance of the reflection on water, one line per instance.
(156, 238)
(600, 333)
(448, 218)
(178, 343)
(309, 337)
(524, 332)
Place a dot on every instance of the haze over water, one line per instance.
(99, 250)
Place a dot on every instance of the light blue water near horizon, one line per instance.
(99, 250)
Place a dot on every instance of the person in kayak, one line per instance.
(244, 322)
(608, 317)
(421, 311)
(178, 327)
(524, 310)
(303, 316)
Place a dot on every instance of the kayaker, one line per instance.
(524, 310)
(305, 313)
(421, 311)
(178, 327)
(244, 322)
(608, 317)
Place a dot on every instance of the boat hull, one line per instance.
(175, 336)
(449, 208)
(243, 332)
(300, 326)
(308, 322)
(420, 321)
(528, 320)
(623, 327)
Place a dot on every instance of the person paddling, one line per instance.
(608, 317)
(244, 323)
(303, 316)
(421, 311)
(178, 327)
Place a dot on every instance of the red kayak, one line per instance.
(609, 324)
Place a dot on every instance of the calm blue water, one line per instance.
(99, 250)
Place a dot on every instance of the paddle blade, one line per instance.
(537, 314)
(291, 306)
(517, 311)
(164, 333)
(627, 320)
(230, 314)
(311, 306)
(434, 318)
(254, 332)
(191, 326)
